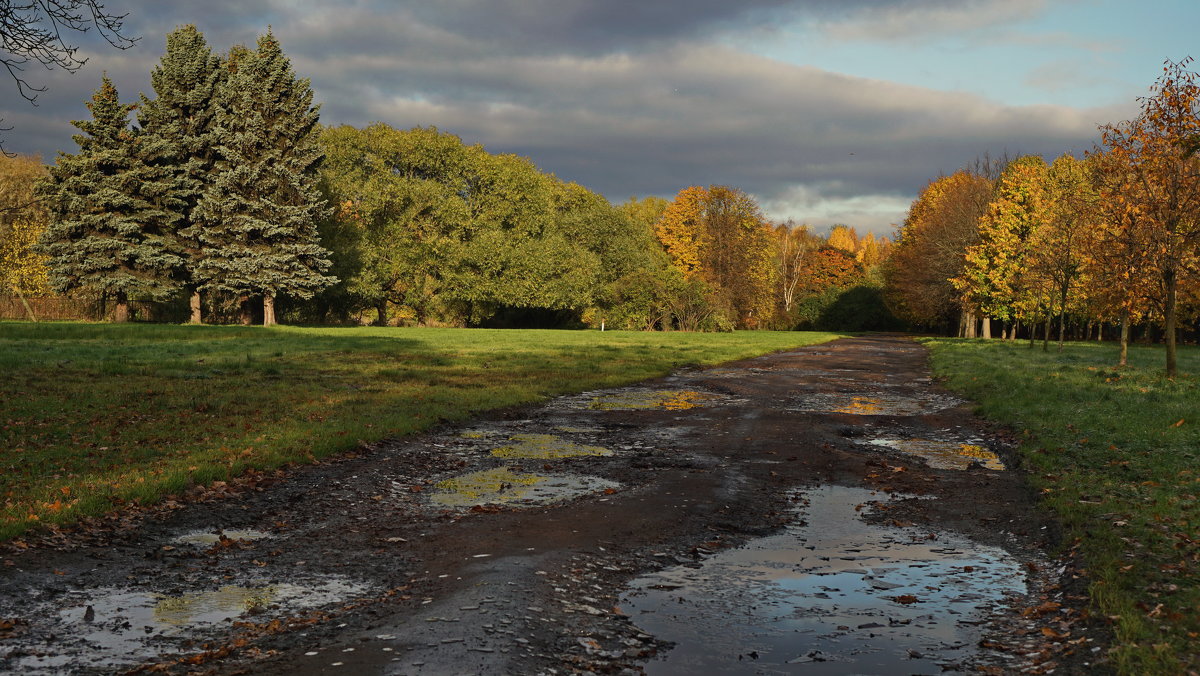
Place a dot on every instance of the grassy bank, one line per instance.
(93, 416)
(1115, 452)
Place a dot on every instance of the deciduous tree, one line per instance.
(996, 276)
(1164, 179)
(23, 218)
(941, 224)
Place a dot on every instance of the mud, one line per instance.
(434, 554)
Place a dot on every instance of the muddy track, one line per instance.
(549, 539)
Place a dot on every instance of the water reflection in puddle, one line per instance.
(546, 447)
(637, 400)
(879, 403)
(504, 486)
(204, 538)
(125, 627)
(839, 596)
(945, 454)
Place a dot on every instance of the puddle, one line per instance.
(880, 403)
(640, 400)
(839, 597)
(129, 626)
(504, 486)
(206, 538)
(945, 454)
(546, 447)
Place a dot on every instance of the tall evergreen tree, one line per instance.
(186, 83)
(259, 214)
(110, 233)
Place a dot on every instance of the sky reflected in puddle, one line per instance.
(127, 626)
(546, 447)
(208, 537)
(505, 487)
(945, 454)
(840, 597)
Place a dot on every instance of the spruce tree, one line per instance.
(110, 233)
(259, 214)
(186, 84)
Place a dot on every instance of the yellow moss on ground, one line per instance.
(672, 400)
(546, 447)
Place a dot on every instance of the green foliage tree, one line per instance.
(186, 83)
(257, 217)
(111, 222)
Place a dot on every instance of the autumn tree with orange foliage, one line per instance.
(719, 235)
(1118, 259)
(680, 230)
(1160, 187)
(942, 222)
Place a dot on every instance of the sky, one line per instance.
(827, 111)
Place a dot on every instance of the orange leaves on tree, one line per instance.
(680, 229)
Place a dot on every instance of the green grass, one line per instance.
(95, 416)
(1107, 449)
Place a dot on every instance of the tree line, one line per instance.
(1110, 238)
(225, 193)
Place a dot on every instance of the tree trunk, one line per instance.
(121, 311)
(1124, 360)
(971, 325)
(987, 328)
(244, 308)
(194, 304)
(28, 310)
(1172, 283)
(1062, 316)
(381, 317)
(268, 309)
(1046, 334)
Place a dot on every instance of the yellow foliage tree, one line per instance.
(22, 220)
(844, 237)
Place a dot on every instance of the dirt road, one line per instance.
(828, 510)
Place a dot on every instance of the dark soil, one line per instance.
(522, 588)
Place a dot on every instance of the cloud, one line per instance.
(655, 108)
(917, 20)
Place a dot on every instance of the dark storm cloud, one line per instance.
(624, 97)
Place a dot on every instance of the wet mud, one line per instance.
(827, 510)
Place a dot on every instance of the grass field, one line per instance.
(1115, 453)
(94, 416)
